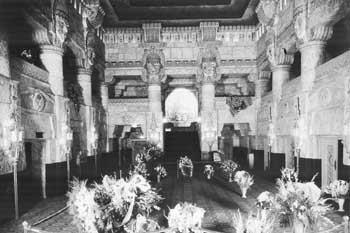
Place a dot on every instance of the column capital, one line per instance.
(51, 49)
(278, 57)
(84, 71)
(264, 75)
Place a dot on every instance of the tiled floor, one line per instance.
(217, 197)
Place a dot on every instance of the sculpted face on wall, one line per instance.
(153, 60)
(153, 64)
(208, 69)
(61, 28)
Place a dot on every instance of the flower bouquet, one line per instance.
(253, 224)
(339, 189)
(161, 172)
(244, 181)
(185, 217)
(229, 167)
(300, 204)
(289, 175)
(208, 171)
(265, 202)
(110, 206)
(141, 169)
(186, 166)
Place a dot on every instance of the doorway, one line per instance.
(181, 130)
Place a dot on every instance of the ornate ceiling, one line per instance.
(179, 12)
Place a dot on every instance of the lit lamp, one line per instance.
(210, 136)
(69, 137)
(94, 142)
(298, 135)
(15, 145)
(271, 138)
(154, 136)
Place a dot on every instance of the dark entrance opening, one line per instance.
(181, 141)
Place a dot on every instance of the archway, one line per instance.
(181, 107)
(181, 133)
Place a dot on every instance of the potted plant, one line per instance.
(208, 171)
(339, 190)
(161, 172)
(229, 167)
(301, 203)
(185, 218)
(264, 202)
(244, 181)
(186, 166)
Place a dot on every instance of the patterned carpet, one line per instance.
(219, 198)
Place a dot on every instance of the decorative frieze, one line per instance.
(180, 34)
(123, 36)
(233, 34)
(209, 30)
(151, 32)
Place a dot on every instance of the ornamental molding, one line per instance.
(128, 101)
(23, 67)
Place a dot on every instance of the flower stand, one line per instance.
(341, 204)
(244, 192)
(298, 226)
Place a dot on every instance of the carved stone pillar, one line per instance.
(84, 79)
(51, 41)
(104, 95)
(313, 55)
(4, 53)
(153, 75)
(262, 84)
(207, 75)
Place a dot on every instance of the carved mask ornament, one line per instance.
(153, 64)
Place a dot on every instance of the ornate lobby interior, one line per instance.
(89, 86)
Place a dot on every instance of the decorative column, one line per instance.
(280, 62)
(313, 28)
(86, 111)
(262, 85)
(51, 41)
(153, 74)
(104, 100)
(207, 75)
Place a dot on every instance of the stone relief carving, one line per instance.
(208, 65)
(153, 66)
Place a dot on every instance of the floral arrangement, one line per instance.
(338, 189)
(185, 217)
(229, 166)
(253, 224)
(208, 171)
(289, 175)
(141, 169)
(186, 166)
(111, 205)
(300, 203)
(244, 181)
(265, 200)
(161, 172)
